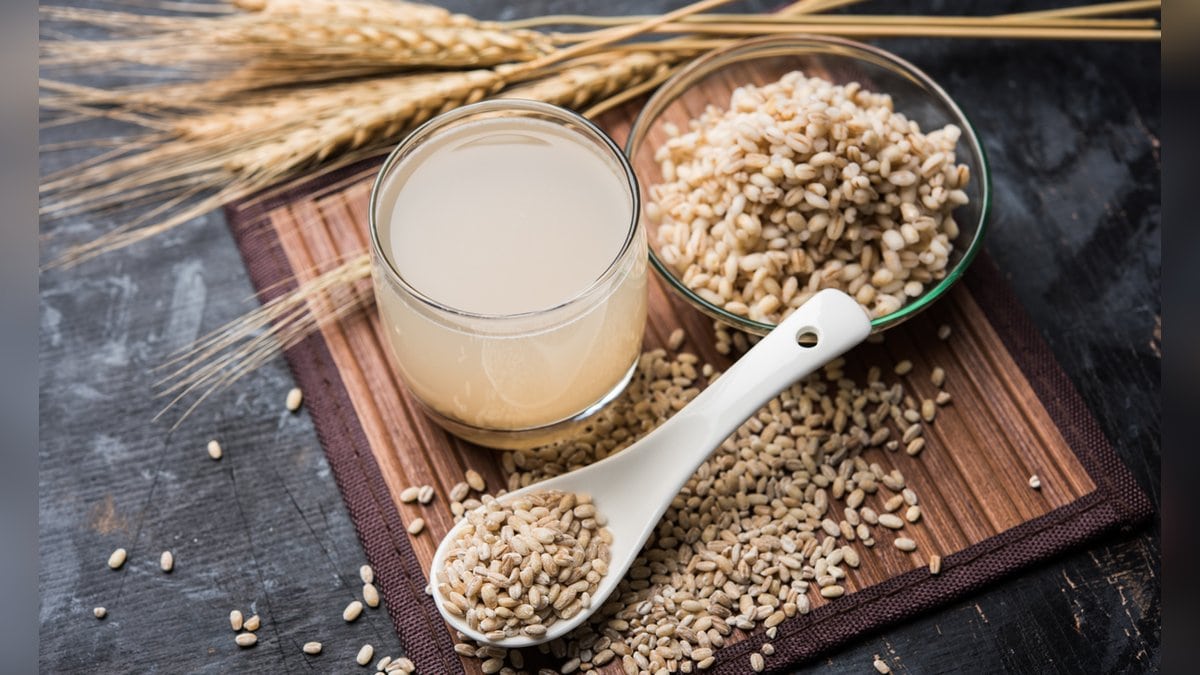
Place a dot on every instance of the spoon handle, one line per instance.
(673, 452)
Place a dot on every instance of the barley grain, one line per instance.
(1035, 482)
(756, 662)
(311, 648)
(294, 399)
(943, 331)
(881, 666)
(409, 494)
(166, 561)
(244, 640)
(116, 559)
(938, 377)
(914, 447)
(890, 521)
(214, 450)
(833, 591)
(352, 611)
(365, 654)
(99, 612)
(252, 624)
(675, 341)
(415, 527)
(365, 572)
(904, 367)
(943, 397)
(935, 564)
(928, 410)
(235, 620)
(913, 514)
(905, 544)
(370, 595)
(475, 480)
(425, 494)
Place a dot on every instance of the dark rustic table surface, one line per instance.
(1072, 134)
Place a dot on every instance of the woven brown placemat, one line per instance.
(1016, 414)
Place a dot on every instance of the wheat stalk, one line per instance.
(306, 42)
(398, 13)
(576, 87)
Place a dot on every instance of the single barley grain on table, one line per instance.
(365, 654)
(295, 398)
(881, 666)
(352, 611)
(935, 564)
(235, 620)
(99, 612)
(252, 624)
(214, 450)
(312, 648)
(366, 574)
(409, 494)
(117, 559)
(246, 640)
(475, 480)
(166, 561)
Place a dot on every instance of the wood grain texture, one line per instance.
(972, 477)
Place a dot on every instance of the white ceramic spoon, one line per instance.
(634, 487)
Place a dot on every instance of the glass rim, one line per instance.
(430, 127)
(680, 82)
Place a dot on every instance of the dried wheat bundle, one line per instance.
(238, 151)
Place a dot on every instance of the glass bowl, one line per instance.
(709, 81)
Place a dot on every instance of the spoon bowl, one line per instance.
(634, 487)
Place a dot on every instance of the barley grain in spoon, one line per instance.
(634, 487)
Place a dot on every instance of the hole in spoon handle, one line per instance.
(822, 329)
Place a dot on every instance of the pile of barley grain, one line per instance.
(776, 521)
(515, 569)
(803, 185)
